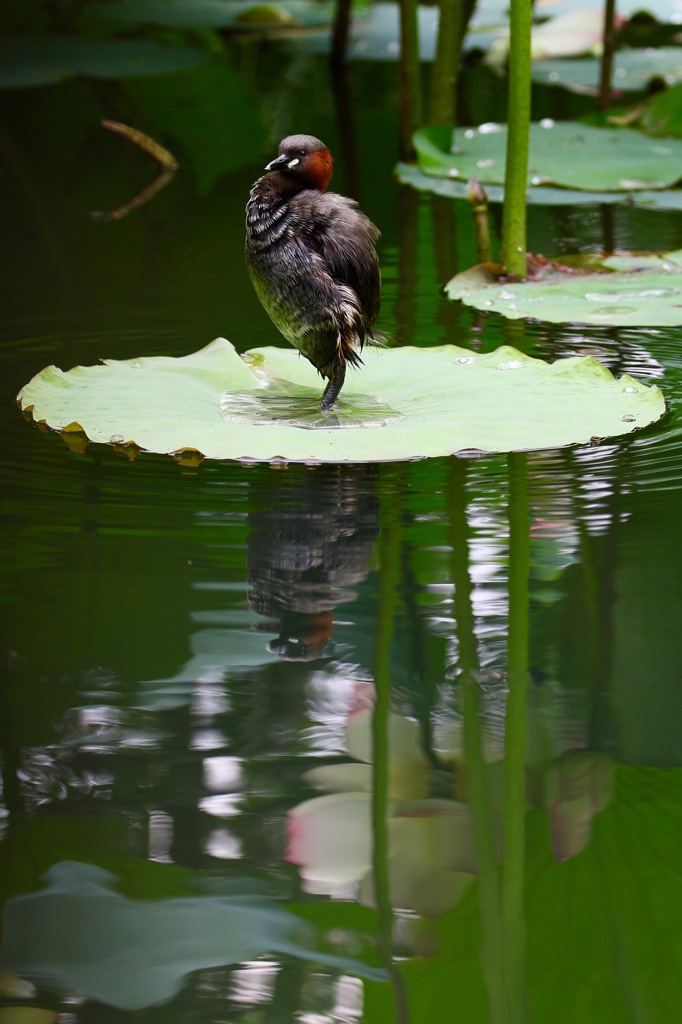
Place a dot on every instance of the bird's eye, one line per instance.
(302, 152)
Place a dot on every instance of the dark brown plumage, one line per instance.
(312, 260)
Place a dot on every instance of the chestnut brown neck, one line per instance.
(318, 171)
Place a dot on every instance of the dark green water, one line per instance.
(180, 645)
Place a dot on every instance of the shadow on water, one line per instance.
(322, 743)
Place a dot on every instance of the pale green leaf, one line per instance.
(665, 199)
(625, 290)
(402, 403)
(632, 70)
(567, 153)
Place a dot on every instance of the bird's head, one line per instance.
(306, 159)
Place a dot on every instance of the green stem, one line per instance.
(389, 558)
(478, 201)
(513, 925)
(410, 91)
(518, 118)
(609, 46)
(446, 63)
(340, 32)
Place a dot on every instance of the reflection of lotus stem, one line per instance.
(148, 145)
(389, 575)
(143, 197)
(513, 929)
(518, 117)
(479, 797)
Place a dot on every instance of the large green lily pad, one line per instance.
(28, 60)
(566, 153)
(623, 290)
(404, 403)
(649, 199)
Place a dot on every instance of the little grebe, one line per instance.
(312, 260)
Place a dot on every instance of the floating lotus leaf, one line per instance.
(665, 199)
(632, 70)
(27, 60)
(403, 403)
(662, 115)
(215, 14)
(567, 153)
(624, 290)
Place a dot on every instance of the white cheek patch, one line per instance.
(292, 163)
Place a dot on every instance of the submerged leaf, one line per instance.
(625, 289)
(418, 403)
(566, 153)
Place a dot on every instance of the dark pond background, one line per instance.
(181, 644)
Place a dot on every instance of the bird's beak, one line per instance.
(280, 163)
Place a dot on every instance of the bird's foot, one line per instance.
(331, 392)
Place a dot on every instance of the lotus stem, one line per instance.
(409, 88)
(478, 200)
(518, 120)
(340, 32)
(609, 46)
(445, 71)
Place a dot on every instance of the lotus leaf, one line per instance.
(27, 60)
(403, 403)
(626, 290)
(632, 70)
(662, 116)
(566, 153)
(665, 199)
(215, 14)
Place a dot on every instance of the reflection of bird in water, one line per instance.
(309, 546)
(312, 260)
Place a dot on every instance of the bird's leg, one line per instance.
(331, 392)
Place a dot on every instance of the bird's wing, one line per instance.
(344, 237)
